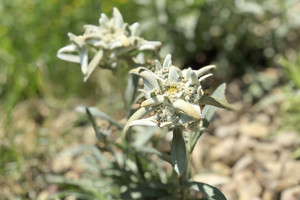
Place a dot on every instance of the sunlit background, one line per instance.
(255, 45)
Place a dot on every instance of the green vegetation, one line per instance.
(38, 91)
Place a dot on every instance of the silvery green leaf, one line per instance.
(116, 44)
(183, 118)
(167, 102)
(78, 41)
(100, 158)
(90, 29)
(204, 77)
(140, 58)
(84, 60)
(187, 108)
(165, 124)
(173, 75)
(130, 92)
(134, 29)
(103, 20)
(203, 70)
(208, 191)
(64, 53)
(118, 19)
(144, 122)
(192, 78)
(137, 115)
(178, 151)
(149, 78)
(101, 44)
(153, 101)
(199, 92)
(93, 64)
(145, 134)
(99, 134)
(197, 129)
(97, 113)
(167, 61)
(149, 45)
(145, 149)
(157, 65)
(207, 100)
(208, 110)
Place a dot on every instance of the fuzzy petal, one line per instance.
(77, 40)
(149, 45)
(134, 29)
(157, 65)
(64, 54)
(199, 92)
(153, 101)
(187, 108)
(173, 75)
(183, 118)
(93, 64)
(144, 122)
(167, 61)
(136, 116)
(118, 19)
(90, 29)
(149, 78)
(203, 70)
(192, 78)
(101, 44)
(165, 124)
(84, 60)
(103, 20)
(116, 44)
(205, 76)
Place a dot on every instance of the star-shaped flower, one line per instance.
(104, 43)
(171, 95)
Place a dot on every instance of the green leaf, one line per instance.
(212, 103)
(207, 100)
(97, 113)
(137, 115)
(208, 191)
(99, 134)
(145, 134)
(162, 155)
(197, 130)
(130, 92)
(178, 151)
(144, 192)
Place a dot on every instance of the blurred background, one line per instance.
(255, 45)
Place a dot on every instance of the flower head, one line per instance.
(103, 43)
(171, 95)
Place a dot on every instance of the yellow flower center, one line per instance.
(172, 90)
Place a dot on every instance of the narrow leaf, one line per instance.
(100, 135)
(209, 110)
(208, 191)
(137, 115)
(207, 100)
(178, 151)
(97, 113)
(130, 92)
(162, 155)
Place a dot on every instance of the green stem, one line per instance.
(184, 178)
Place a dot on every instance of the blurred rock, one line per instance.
(227, 130)
(254, 129)
(248, 187)
(291, 193)
(211, 179)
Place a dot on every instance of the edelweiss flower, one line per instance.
(172, 95)
(104, 42)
